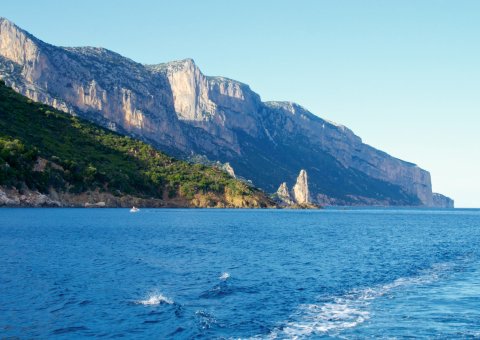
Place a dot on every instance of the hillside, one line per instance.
(73, 162)
(177, 109)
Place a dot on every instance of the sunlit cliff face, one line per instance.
(174, 105)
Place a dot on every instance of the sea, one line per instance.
(239, 274)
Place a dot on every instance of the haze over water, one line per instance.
(239, 274)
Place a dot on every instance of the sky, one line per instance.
(404, 75)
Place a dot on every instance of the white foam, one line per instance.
(225, 276)
(346, 311)
(155, 299)
(340, 314)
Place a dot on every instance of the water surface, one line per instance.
(172, 273)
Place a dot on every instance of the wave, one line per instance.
(69, 330)
(221, 289)
(225, 276)
(155, 299)
(218, 291)
(227, 286)
(338, 313)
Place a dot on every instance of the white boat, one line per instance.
(134, 210)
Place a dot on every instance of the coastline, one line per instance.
(27, 198)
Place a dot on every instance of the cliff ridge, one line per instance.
(179, 110)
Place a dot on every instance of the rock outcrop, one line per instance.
(283, 194)
(299, 197)
(176, 108)
(5, 200)
(27, 198)
(229, 170)
(441, 201)
(300, 190)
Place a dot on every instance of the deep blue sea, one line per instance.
(261, 274)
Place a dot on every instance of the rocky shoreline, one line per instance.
(34, 199)
(26, 198)
(13, 198)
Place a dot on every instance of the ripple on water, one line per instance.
(218, 291)
(69, 330)
(204, 319)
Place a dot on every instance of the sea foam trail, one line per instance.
(346, 311)
(155, 299)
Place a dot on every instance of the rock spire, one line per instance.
(300, 190)
(284, 195)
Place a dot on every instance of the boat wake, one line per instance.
(338, 313)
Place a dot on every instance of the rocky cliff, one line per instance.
(176, 108)
(441, 201)
(50, 158)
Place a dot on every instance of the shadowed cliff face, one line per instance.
(179, 110)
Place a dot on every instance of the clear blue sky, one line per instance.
(403, 75)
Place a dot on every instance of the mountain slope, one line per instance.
(74, 162)
(177, 109)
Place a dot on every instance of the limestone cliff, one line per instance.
(49, 158)
(441, 201)
(176, 108)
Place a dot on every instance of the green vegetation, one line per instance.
(43, 148)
